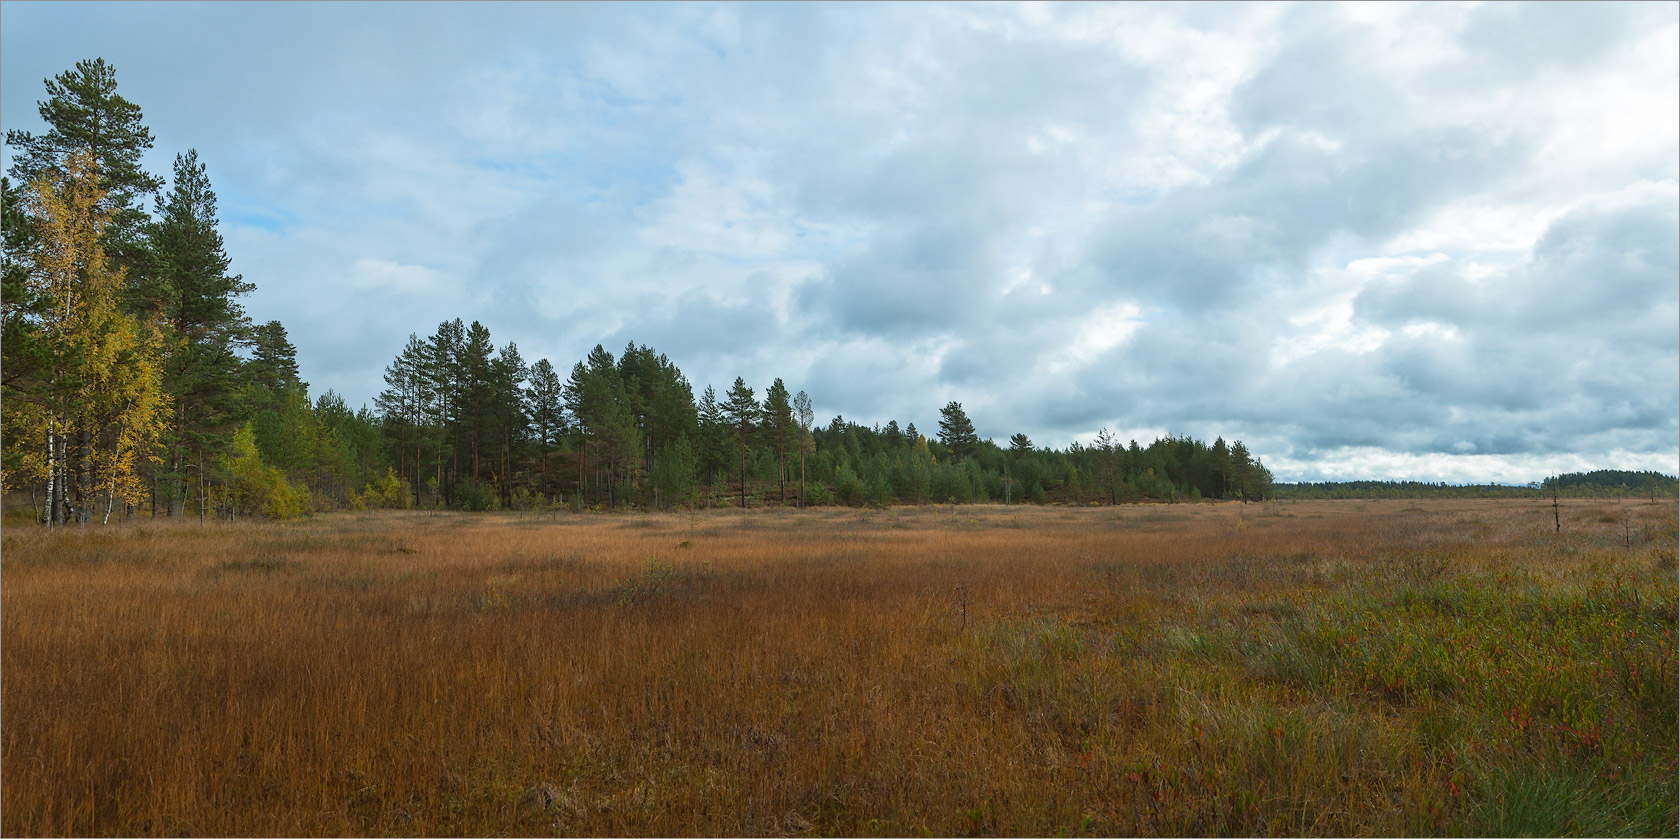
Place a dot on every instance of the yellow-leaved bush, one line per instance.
(254, 487)
(383, 493)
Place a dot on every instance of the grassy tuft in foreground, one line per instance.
(1341, 668)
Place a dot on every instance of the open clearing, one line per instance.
(1344, 667)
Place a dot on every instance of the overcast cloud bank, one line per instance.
(1424, 241)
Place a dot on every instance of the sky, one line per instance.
(1420, 241)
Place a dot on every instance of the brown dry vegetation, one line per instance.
(1305, 668)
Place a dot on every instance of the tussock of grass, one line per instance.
(1346, 669)
(259, 563)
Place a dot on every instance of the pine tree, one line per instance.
(956, 432)
(545, 406)
(742, 412)
(25, 375)
(1107, 474)
(273, 363)
(401, 406)
(1240, 467)
(803, 415)
(22, 305)
(477, 392)
(283, 418)
(594, 395)
(661, 401)
(508, 375)
(673, 469)
(778, 431)
(85, 115)
(1221, 466)
(204, 323)
(443, 373)
(638, 380)
(576, 394)
(714, 437)
(336, 467)
(894, 437)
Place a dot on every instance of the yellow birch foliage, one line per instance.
(23, 426)
(130, 407)
(106, 376)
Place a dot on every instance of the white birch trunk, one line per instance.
(52, 473)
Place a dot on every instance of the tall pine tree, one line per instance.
(204, 321)
(545, 406)
(956, 432)
(85, 114)
(742, 413)
(803, 414)
(779, 429)
(402, 406)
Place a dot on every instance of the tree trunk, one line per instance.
(417, 466)
(501, 478)
(84, 476)
(60, 478)
(52, 474)
(176, 488)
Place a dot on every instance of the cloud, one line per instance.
(1414, 240)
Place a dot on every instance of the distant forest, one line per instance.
(133, 381)
(1603, 483)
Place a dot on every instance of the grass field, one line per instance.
(1338, 667)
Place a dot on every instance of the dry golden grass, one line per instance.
(1343, 668)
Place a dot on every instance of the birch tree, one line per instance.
(803, 415)
(101, 405)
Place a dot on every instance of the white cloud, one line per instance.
(393, 277)
(1354, 236)
(1362, 463)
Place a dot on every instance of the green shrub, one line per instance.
(255, 488)
(387, 492)
(476, 496)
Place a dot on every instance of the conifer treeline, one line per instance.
(133, 380)
(473, 427)
(1602, 483)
